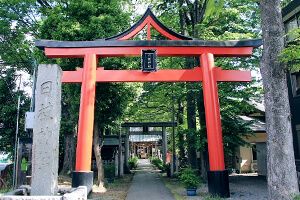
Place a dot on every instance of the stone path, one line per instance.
(146, 184)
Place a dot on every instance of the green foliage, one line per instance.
(212, 198)
(189, 178)
(17, 25)
(133, 162)
(290, 55)
(157, 163)
(8, 109)
(214, 8)
(109, 170)
(285, 2)
(296, 197)
(15, 55)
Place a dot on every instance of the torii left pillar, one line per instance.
(83, 174)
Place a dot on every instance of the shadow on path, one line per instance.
(146, 184)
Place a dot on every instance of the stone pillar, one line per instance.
(126, 166)
(120, 158)
(164, 144)
(155, 147)
(45, 146)
(172, 165)
(117, 164)
(122, 164)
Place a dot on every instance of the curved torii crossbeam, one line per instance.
(178, 45)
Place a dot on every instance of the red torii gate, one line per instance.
(177, 45)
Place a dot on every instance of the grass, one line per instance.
(116, 190)
(174, 186)
(212, 198)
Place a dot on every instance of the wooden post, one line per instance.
(218, 183)
(126, 156)
(83, 174)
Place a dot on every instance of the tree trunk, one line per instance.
(282, 178)
(69, 153)
(195, 13)
(181, 138)
(191, 119)
(204, 153)
(97, 151)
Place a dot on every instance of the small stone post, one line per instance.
(126, 167)
(164, 144)
(46, 130)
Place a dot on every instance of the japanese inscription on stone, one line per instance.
(46, 130)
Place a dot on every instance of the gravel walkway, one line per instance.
(242, 187)
(146, 184)
(248, 186)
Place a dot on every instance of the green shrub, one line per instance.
(157, 163)
(297, 197)
(109, 171)
(189, 178)
(133, 162)
(176, 175)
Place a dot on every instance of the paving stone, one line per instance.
(147, 185)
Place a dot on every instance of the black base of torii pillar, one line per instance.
(218, 183)
(83, 178)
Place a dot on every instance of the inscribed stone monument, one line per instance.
(46, 130)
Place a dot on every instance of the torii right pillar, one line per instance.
(218, 181)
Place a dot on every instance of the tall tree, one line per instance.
(282, 177)
(9, 94)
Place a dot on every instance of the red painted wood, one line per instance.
(86, 114)
(139, 76)
(135, 31)
(148, 31)
(212, 114)
(231, 75)
(136, 51)
(165, 75)
(148, 20)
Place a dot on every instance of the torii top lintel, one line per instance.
(121, 45)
